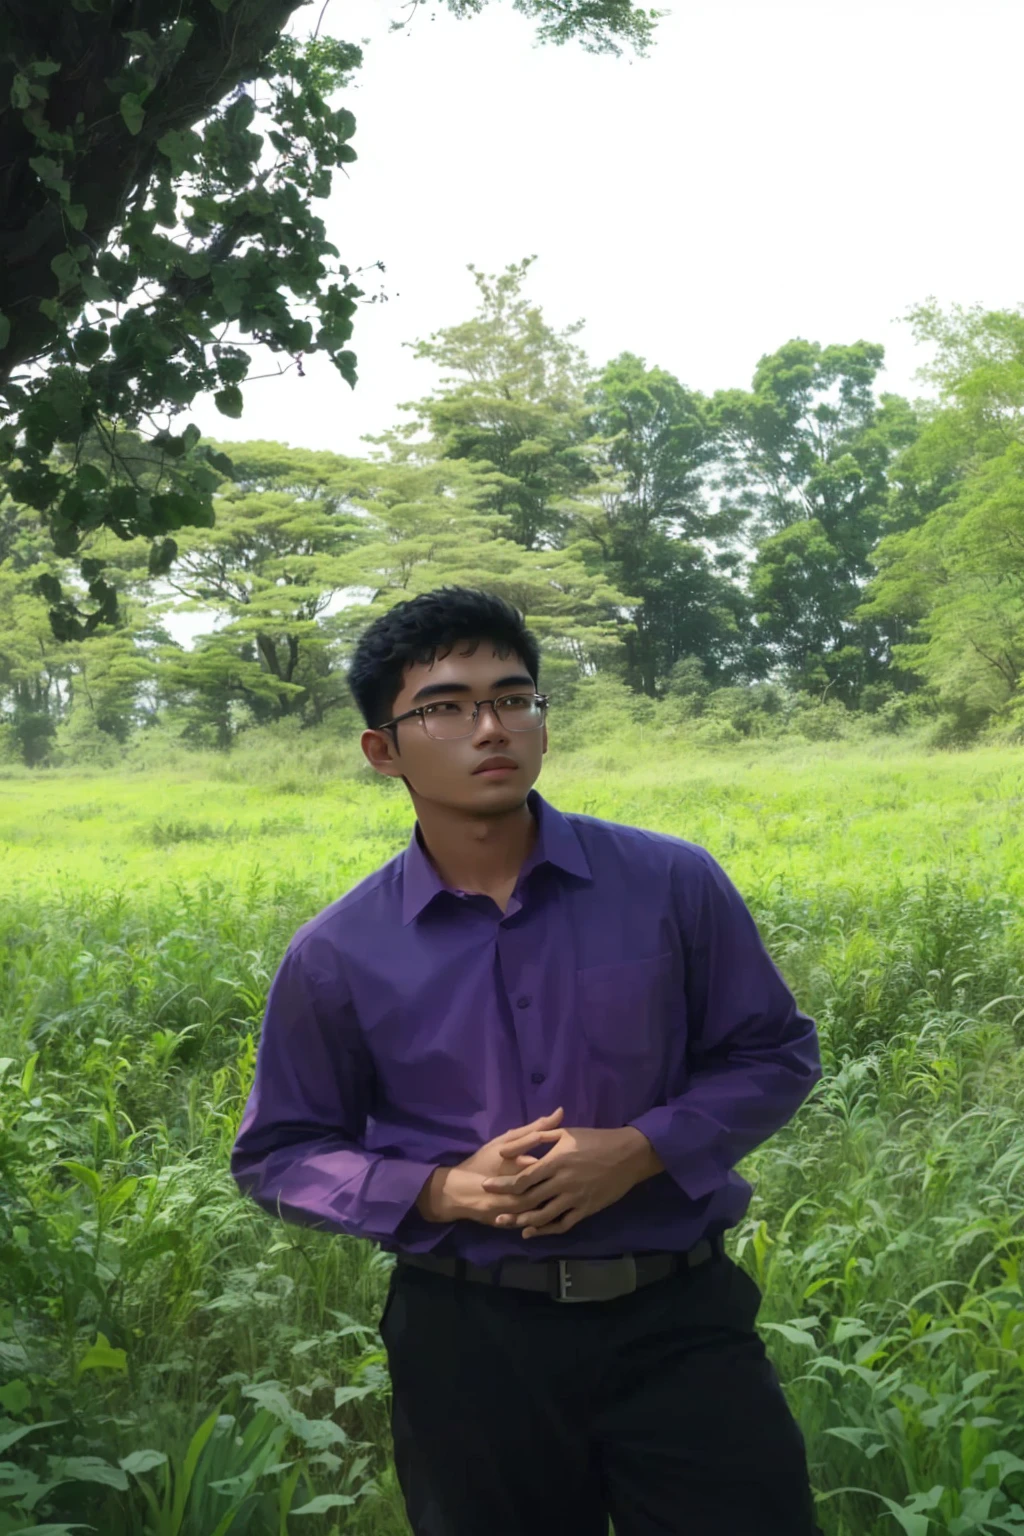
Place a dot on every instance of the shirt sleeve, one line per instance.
(298, 1151)
(752, 1057)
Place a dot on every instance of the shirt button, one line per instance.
(536, 1077)
(523, 1002)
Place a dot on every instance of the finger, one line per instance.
(520, 1183)
(542, 1122)
(519, 1138)
(511, 1148)
(554, 1228)
(540, 1213)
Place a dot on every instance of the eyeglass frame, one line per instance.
(544, 699)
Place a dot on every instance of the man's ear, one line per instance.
(381, 753)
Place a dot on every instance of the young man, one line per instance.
(526, 1055)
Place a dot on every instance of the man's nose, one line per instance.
(487, 722)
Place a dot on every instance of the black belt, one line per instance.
(573, 1279)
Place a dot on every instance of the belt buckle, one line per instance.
(625, 1265)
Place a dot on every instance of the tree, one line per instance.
(511, 397)
(955, 578)
(308, 548)
(162, 163)
(804, 455)
(650, 519)
(277, 556)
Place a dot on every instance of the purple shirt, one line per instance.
(409, 1023)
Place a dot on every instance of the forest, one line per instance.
(808, 554)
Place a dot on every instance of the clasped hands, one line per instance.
(504, 1185)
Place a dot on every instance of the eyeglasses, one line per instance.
(451, 718)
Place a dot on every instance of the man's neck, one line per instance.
(478, 853)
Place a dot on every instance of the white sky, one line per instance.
(775, 168)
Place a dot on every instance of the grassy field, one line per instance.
(174, 1363)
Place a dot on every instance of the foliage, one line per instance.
(649, 518)
(165, 191)
(171, 1357)
(958, 573)
(804, 455)
(511, 398)
(164, 163)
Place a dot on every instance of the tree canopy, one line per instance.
(163, 163)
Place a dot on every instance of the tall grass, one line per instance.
(175, 1363)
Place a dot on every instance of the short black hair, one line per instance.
(427, 626)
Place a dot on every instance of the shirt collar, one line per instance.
(557, 843)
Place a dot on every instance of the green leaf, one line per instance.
(162, 556)
(794, 1335)
(49, 173)
(100, 1356)
(90, 343)
(85, 1175)
(95, 288)
(92, 568)
(77, 213)
(220, 461)
(66, 270)
(229, 401)
(221, 5)
(15, 1397)
(12, 1436)
(87, 1469)
(49, 588)
(5, 330)
(345, 362)
(132, 111)
(323, 1502)
(142, 1461)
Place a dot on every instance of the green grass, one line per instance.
(144, 1304)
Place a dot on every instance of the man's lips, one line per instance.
(497, 771)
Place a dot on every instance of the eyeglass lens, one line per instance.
(454, 717)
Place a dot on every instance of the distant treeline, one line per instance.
(809, 542)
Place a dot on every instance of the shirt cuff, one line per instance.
(399, 1182)
(697, 1174)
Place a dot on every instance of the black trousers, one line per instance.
(517, 1415)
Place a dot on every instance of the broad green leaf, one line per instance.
(229, 401)
(15, 1396)
(90, 343)
(66, 270)
(49, 1530)
(13, 1435)
(142, 1461)
(132, 111)
(87, 1469)
(101, 1356)
(794, 1335)
(323, 1502)
(85, 1175)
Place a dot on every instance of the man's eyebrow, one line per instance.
(431, 690)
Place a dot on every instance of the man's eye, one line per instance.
(450, 707)
(515, 701)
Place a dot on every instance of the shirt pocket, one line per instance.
(623, 1008)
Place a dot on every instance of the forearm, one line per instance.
(729, 1109)
(332, 1182)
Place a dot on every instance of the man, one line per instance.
(526, 1055)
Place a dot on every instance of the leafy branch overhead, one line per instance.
(162, 162)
